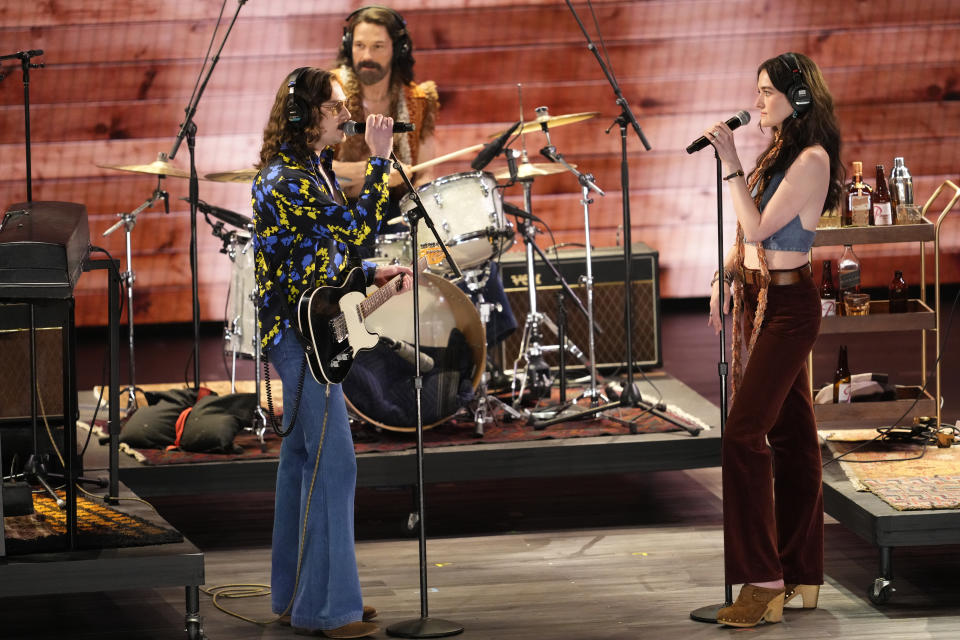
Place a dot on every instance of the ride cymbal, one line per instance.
(532, 170)
(159, 167)
(237, 175)
(553, 121)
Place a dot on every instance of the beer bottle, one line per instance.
(828, 293)
(842, 378)
(898, 293)
(883, 214)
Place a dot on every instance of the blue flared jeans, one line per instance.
(314, 503)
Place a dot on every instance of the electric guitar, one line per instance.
(332, 321)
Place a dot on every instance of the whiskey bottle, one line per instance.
(828, 293)
(882, 210)
(858, 206)
(841, 378)
(848, 275)
(898, 293)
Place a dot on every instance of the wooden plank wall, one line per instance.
(119, 74)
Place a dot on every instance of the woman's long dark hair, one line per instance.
(315, 86)
(818, 126)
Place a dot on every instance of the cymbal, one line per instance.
(159, 167)
(237, 175)
(553, 121)
(532, 170)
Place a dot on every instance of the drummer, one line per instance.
(375, 66)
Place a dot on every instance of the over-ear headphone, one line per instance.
(298, 108)
(798, 93)
(402, 46)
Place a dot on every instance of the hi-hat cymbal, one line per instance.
(532, 170)
(159, 167)
(238, 175)
(553, 121)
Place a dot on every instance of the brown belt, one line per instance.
(778, 277)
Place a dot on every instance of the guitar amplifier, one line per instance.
(608, 305)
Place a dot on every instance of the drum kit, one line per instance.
(471, 218)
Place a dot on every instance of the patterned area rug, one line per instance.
(896, 472)
(99, 526)
(458, 431)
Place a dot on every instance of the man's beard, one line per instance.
(371, 74)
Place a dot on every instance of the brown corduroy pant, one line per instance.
(772, 493)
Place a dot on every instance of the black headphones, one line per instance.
(402, 46)
(298, 108)
(798, 93)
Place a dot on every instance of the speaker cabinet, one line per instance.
(608, 305)
(15, 364)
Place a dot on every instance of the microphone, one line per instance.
(742, 117)
(352, 128)
(225, 215)
(492, 149)
(520, 213)
(407, 351)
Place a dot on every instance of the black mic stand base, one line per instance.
(708, 613)
(424, 628)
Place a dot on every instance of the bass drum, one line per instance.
(379, 387)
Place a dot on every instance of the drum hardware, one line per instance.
(128, 277)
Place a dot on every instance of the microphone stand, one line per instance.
(424, 626)
(26, 65)
(188, 130)
(631, 394)
(708, 613)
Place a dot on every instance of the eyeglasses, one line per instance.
(336, 107)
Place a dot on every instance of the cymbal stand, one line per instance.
(259, 426)
(128, 277)
(485, 403)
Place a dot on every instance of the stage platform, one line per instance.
(481, 461)
(112, 569)
(880, 524)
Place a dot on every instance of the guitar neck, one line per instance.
(376, 299)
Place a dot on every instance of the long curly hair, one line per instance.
(402, 69)
(315, 86)
(818, 126)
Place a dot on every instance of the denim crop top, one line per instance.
(791, 236)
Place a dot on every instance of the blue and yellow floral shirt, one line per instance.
(302, 233)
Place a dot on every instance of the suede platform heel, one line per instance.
(809, 594)
(753, 605)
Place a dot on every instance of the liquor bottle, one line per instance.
(841, 378)
(883, 214)
(898, 293)
(848, 275)
(858, 206)
(828, 293)
(901, 184)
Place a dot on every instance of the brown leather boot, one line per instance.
(753, 605)
(809, 593)
(369, 613)
(349, 630)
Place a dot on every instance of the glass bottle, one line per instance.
(848, 274)
(898, 293)
(842, 378)
(858, 205)
(883, 214)
(901, 184)
(828, 293)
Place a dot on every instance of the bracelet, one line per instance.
(727, 277)
(738, 172)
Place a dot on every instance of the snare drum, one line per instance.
(240, 322)
(380, 390)
(466, 209)
(392, 248)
